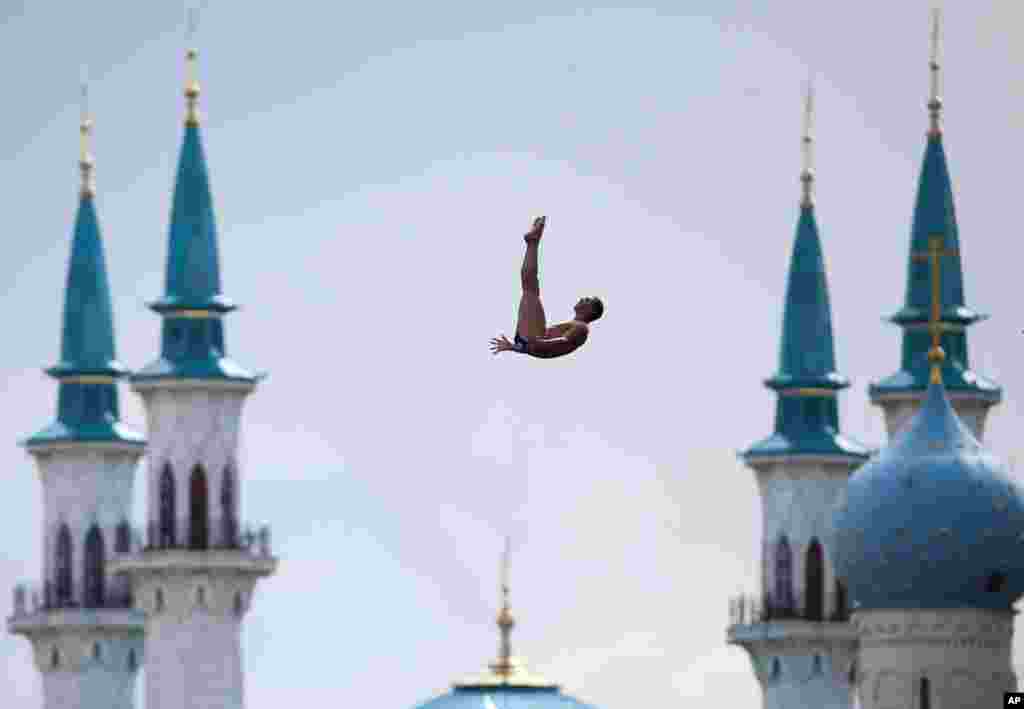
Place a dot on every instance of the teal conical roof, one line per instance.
(87, 408)
(193, 266)
(934, 213)
(807, 355)
(87, 337)
(192, 336)
(807, 415)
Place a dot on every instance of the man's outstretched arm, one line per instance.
(544, 348)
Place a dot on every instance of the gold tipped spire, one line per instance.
(934, 100)
(506, 670)
(85, 159)
(191, 80)
(504, 665)
(807, 145)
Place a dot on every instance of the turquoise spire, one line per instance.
(87, 404)
(192, 340)
(806, 414)
(934, 214)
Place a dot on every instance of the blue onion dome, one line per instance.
(500, 697)
(509, 687)
(933, 522)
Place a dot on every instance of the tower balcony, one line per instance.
(750, 609)
(224, 533)
(759, 625)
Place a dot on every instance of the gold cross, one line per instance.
(933, 256)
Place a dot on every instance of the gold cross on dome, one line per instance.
(933, 257)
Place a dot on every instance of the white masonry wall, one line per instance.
(83, 484)
(189, 426)
(83, 678)
(800, 678)
(964, 653)
(193, 610)
(193, 639)
(798, 497)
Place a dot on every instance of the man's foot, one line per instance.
(533, 236)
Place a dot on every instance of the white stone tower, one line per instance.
(86, 638)
(196, 576)
(797, 634)
(971, 394)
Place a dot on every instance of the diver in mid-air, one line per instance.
(533, 336)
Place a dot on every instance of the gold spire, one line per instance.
(934, 100)
(85, 160)
(506, 670)
(807, 143)
(191, 82)
(504, 665)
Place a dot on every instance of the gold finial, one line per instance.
(934, 100)
(504, 665)
(191, 82)
(85, 160)
(807, 144)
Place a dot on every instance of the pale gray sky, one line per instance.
(374, 167)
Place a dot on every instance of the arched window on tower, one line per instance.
(123, 538)
(166, 536)
(842, 612)
(925, 691)
(228, 519)
(62, 568)
(93, 564)
(199, 510)
(783, 597)
(814, 583)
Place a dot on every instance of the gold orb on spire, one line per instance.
(191, 88)
(85, 160)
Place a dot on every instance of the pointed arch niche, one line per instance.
(166, 513)
(814, 582)
(782, 597)
(198, 510)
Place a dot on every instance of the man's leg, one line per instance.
(532, 322)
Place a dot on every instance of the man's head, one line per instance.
(589, 309)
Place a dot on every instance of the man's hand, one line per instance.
(536, 231)
(501, 344)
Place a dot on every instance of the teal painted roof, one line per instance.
(807, 355)
(87, 337)
(505, 698)
(807, 424)
(193, 347)
(934, 213)
(193, 267)
(929, 521)
(86, 411)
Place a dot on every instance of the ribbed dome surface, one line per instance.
(933, 522)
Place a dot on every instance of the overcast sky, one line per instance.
(374, 166)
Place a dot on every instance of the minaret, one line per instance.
(196, 577)
(86, 638)
(928, 536)
(900, 394)
(797, 634)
